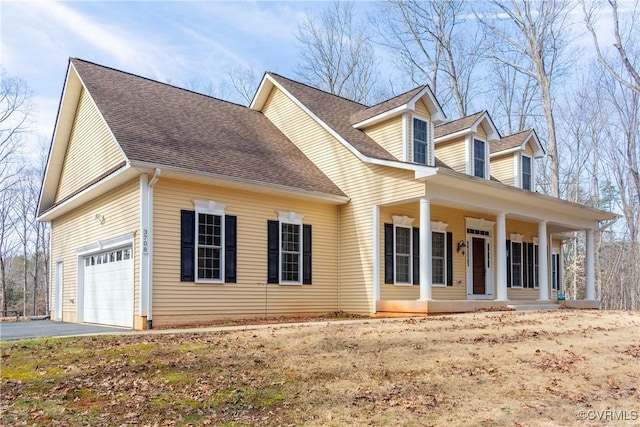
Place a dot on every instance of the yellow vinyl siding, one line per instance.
(366, 185)
(174, 301)
(121, 210)
(502, 168)
(389, 135)
(91, 152)
(528, 150)
(529, 231)
(453, 154)
(422, 110)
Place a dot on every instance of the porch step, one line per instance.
(533, 307)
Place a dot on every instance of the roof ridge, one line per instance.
(319, 90)
(463, 117)
(157, 81)
(399, 95)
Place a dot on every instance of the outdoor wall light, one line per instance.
(460, 246)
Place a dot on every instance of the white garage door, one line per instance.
(108, 288)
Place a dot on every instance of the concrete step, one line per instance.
(533, 307)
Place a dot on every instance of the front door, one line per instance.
(479, 270)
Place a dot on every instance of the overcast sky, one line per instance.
(177, 42)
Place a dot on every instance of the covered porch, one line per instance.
(472, 244)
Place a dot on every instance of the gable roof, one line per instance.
(517, 142)
(159, 124)
(385, 106)
(335, 111)
(467, 123)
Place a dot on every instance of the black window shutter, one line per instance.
(388, 253)
(530, 264)
(230, 255)
(449, 258)
(508, 263)
(525, 265)
(416, 256)
(306, 254)
(273, 251)
(187, 245)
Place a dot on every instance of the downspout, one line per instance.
(149, 260)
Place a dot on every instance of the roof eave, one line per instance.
(240, 183)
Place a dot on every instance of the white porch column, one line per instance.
(501, 257)
(590, 270)
(543, 262)
(425, 249)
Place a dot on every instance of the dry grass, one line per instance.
(508, 368)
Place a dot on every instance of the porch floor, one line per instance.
(466, 306)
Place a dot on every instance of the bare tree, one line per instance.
(628, 73)
(538, 32)
(337, 54)
(435, 42)
(245, 82)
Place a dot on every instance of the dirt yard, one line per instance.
(506, 368)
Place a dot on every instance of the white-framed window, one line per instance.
(536, 272)
(291, 239)
(516, 261)
(209, 238)
(479, 158)
(403, 250)
(555, 271)
(420, 141)
(526, 172)
(438, 257)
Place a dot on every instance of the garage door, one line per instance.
(108, 288)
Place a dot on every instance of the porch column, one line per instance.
(425, 249)
(501, 257)
(543, 262)
(590, 270)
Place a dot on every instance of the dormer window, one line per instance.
(420, 141)
(526, 172)
(479, 158)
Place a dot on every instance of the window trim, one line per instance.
(472, 157)
(536, 263)
(516, 239)
(406, 223)
(428, 147)
(215, 209)
(555, 270)
(292, 218)
(522, 157)
(440, 227)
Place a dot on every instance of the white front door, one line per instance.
(108, 288)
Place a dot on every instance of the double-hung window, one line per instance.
(479, 158)
(555, 271)
(291, 252)
(536, 272)
(403, 254)
(526, 172)
(516, 264)
(420, 141)
(209, 244)
(438, 258)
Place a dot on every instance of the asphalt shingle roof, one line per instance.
(510, 141)
(162, 124)
(387, 105)
(457, 125)
(336, 112)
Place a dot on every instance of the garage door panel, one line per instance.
(108, 289)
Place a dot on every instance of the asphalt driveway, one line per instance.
(49, 328)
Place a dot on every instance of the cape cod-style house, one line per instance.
(167, 206)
